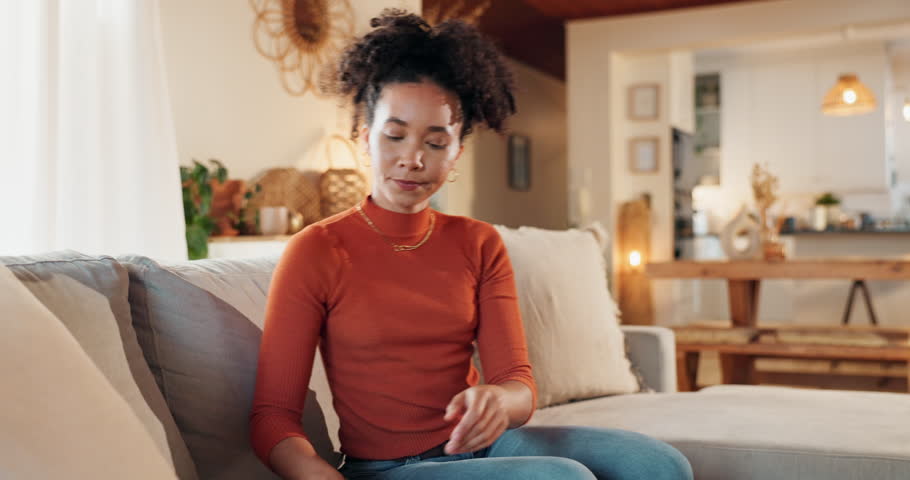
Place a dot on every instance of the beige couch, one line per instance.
(179, 344)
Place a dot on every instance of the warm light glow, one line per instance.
(849, 96)
(635, 258)
(907, 109)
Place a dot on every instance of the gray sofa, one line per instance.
(194, 328)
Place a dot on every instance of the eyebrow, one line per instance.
(401, 122)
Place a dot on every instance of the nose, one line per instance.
(411, 158)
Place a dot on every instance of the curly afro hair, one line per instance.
(404, 48)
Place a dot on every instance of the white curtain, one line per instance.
(88, 156)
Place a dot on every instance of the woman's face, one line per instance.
(413, 143)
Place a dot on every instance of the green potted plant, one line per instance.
(827, 199)
(197, 204)
(826, 211)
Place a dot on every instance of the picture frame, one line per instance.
(644, 102)
(644, 155)
(519, 163)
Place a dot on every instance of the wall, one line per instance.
(770, 114)
(593, 44)
(595, 51)
(482, 190)
(673, 73)
(227, 100)
(900, 133)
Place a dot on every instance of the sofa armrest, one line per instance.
(652, 350)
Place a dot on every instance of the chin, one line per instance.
(408, 199)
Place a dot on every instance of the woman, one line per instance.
(396, 293)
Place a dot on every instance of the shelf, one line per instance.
(847, 232)
(249, 238)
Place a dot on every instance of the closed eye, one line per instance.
(394, 138)
(436, 147)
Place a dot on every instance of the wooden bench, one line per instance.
(739, 347)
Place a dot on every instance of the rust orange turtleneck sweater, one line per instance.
(395, 329)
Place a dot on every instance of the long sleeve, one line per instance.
(500, 332)
(394, 328)
(295, 313)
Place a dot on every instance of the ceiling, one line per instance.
(533, 31)
(575, 9)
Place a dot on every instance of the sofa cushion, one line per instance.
(763, 432)
(575, 345)
(89, 296)
(200, 325)
(61, 418)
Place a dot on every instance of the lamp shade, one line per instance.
(906, 109)
(848, 97)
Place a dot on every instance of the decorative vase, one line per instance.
(227, 198)
(820, 218)
(773, 251)
(273, 220)
(225, 228)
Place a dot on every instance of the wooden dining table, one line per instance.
(744, 276)
(744, 284)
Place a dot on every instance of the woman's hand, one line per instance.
(295, 459)
(318, 469)
(484, 418)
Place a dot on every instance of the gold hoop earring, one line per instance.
(451, 179)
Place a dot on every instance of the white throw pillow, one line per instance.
(61, 418)
(576, 348)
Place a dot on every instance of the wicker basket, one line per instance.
(287, 187)
(341, 188)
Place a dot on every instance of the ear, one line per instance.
(460, 151)
(365, 137)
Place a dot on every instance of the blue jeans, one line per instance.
(568, 453)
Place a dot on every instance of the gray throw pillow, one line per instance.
(200, 325)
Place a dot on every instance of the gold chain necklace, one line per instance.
(395, 246)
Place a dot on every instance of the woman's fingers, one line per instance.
(483, 421)
(474, 411)
(485, 431)
(456, 407)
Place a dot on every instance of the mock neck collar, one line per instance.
(395, 224)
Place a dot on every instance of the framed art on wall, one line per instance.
(644, 102)
(519, 163)
(644, 154)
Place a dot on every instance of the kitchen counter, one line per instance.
(849, 232)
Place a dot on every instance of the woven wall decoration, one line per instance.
(440, 11)
(301, 36)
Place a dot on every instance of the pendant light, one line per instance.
(906, 110)
(848, 97)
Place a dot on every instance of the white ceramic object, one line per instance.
(741, 238)
(273, 220)
(819, 218)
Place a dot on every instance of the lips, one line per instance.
(408, 185)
